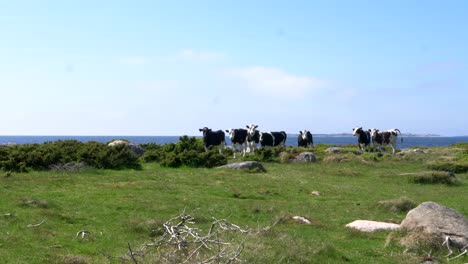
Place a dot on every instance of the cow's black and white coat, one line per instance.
(273, 139)
(388, 137)
(213, 138)
(305, 139)
(253, 137)
(238, 138)
(364, 138)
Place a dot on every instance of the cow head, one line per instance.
(373, 132)
(251, 129)
(303, 134)
(231, 133)
(204, 130)
(357, 131)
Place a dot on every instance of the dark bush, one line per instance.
(171, 160)
(213, 159)
(433, 177)
(43, 156)
(189, 144)
(154, 155)
(191, 158)
(399, 205)
(151, 146)
(450, 166)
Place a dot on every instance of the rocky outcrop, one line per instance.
(333, 150)
(305, 157)
(439, 221)
(246, 165)
(372, 226)
(410, 151)
(132, 146)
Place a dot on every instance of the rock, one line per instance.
(305, 157)
(132, 146)
(439, 221)
(372, 226)
(410, 151)
(246, 165)
(333, 150)
(301, 220)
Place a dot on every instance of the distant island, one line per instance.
(350, 135)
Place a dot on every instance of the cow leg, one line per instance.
(243, 148)
(221, 147)
(393, 148)
(234, 148)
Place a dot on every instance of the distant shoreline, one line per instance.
(403, 135)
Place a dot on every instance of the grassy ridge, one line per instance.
(121, 207)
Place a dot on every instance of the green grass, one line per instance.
(126, 206)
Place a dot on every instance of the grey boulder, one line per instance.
(246, 165)
(305, 157)
(439, 221)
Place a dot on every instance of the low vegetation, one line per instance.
(106, 205)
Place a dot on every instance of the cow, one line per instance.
(213, 138)
(388, 137)
(273, 139)
(253, 137)
(238, 137)
(305, 139)
(363, 136)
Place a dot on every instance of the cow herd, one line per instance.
(377, 137)
(248, 139)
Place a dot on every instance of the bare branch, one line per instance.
(132, 254)
(38, 224)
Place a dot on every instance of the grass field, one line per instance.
(126, 207)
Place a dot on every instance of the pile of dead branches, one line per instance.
(182, 242)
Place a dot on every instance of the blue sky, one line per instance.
(171, 67)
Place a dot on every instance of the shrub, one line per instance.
(171, 160)
(213, 159)
(371, 156)
(191, 158)
(450, 166)
(433, 177)
(189, 144)
(154, 155)
(43, 156)
(402, 204)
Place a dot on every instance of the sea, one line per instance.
(410, 141)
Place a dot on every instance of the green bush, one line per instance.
(400, 205)
(450, 166)
(43, 156)
(433, 177)
(171, 160)
(213, 159)
(153, 155)
(188, 151)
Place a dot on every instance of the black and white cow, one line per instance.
(388, 137)
(238, 137)
(213, 138)
(364, 138)
(305, 139)
(253, 137)
(273, 139)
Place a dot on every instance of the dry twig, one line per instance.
(184, 243)
(38, 224)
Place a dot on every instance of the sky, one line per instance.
(172, 67)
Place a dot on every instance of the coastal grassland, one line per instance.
(121, 207)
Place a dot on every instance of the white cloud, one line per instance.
(276, 82)
(134, 60)
(204, 56)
